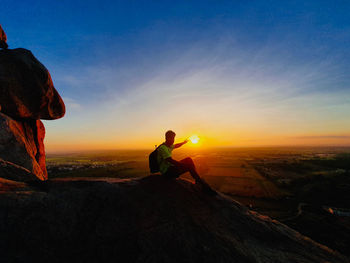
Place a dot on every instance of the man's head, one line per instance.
(170, 137)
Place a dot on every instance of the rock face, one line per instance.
(147, 220)
(3, 38)
(26, 88)
(27, 95)
(12, 171)
(22, 143)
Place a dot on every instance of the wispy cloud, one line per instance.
(71, 104)
(224, 90)
(316, 137)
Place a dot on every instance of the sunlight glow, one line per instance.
(194, 139)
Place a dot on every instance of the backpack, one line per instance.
(153, 161)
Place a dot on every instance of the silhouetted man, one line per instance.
(171, 168)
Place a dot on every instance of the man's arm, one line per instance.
(180, 144)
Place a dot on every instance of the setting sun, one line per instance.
(194, 139)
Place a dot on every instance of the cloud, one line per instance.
(222, 89)
(71, 104)
(315, 137)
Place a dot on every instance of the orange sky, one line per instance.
(146, 140)
(222, 109)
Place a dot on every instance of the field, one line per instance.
(305, 188)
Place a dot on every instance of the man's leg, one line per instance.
(189, 165)
(186, 165)
(174, 172)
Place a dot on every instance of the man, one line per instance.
(171, 168)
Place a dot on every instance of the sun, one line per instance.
(194, 139)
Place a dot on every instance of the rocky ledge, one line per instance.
(141, 220)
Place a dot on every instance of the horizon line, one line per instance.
(199, 148)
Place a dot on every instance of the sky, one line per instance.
(236, 73)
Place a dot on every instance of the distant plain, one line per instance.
(296, 185)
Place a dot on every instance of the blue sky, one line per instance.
(238, 72)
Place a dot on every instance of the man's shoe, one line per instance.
(206, 188)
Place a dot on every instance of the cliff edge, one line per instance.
(141, 220)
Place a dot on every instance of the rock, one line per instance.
(40, 156)
(149, 220)
(26, 88)
(15, 172)
(22, 143)
(3, 38)
(27, 95)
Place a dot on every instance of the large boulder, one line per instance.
(22, 143)
(26, 88)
